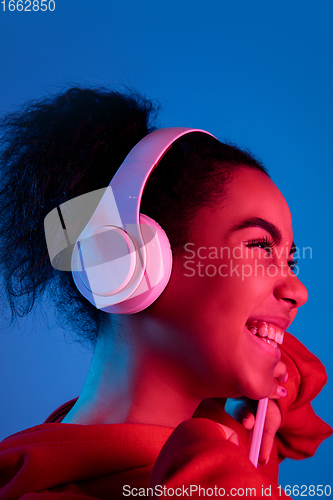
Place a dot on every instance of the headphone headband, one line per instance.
(130, 179)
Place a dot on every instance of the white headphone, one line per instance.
(122, 260)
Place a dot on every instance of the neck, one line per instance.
(127, 383)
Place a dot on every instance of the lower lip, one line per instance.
(267, 348)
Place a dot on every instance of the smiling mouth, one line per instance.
(267, 332)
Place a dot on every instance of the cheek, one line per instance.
(223, 288)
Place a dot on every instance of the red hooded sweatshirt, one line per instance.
(55, 461)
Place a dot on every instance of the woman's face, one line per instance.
(234, 275)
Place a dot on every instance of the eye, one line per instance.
(265, 243)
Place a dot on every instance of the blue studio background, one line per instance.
(258, 73)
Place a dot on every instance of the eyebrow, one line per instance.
(267, 226)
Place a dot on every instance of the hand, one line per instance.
(243, 409)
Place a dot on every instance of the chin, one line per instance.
(259, 390)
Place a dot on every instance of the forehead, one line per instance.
(250, 194)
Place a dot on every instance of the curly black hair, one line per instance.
(63, 146)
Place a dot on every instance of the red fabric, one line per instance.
(68, 461)
(302, 430)
(198, 455)
(82, 462)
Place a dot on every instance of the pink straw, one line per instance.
(257, 431)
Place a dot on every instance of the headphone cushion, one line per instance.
(157, 272)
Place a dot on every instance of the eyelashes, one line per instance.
(265, 243)
(268, 244)
(292, 264)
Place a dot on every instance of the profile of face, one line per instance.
(202, 320)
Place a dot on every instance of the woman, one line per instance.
(212, 333)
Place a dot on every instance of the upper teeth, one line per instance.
(264, 329)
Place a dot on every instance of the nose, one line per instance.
(291, 290)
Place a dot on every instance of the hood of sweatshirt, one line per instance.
(94, 461)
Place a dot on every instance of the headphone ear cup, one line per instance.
(156, 274)
(108, 260)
